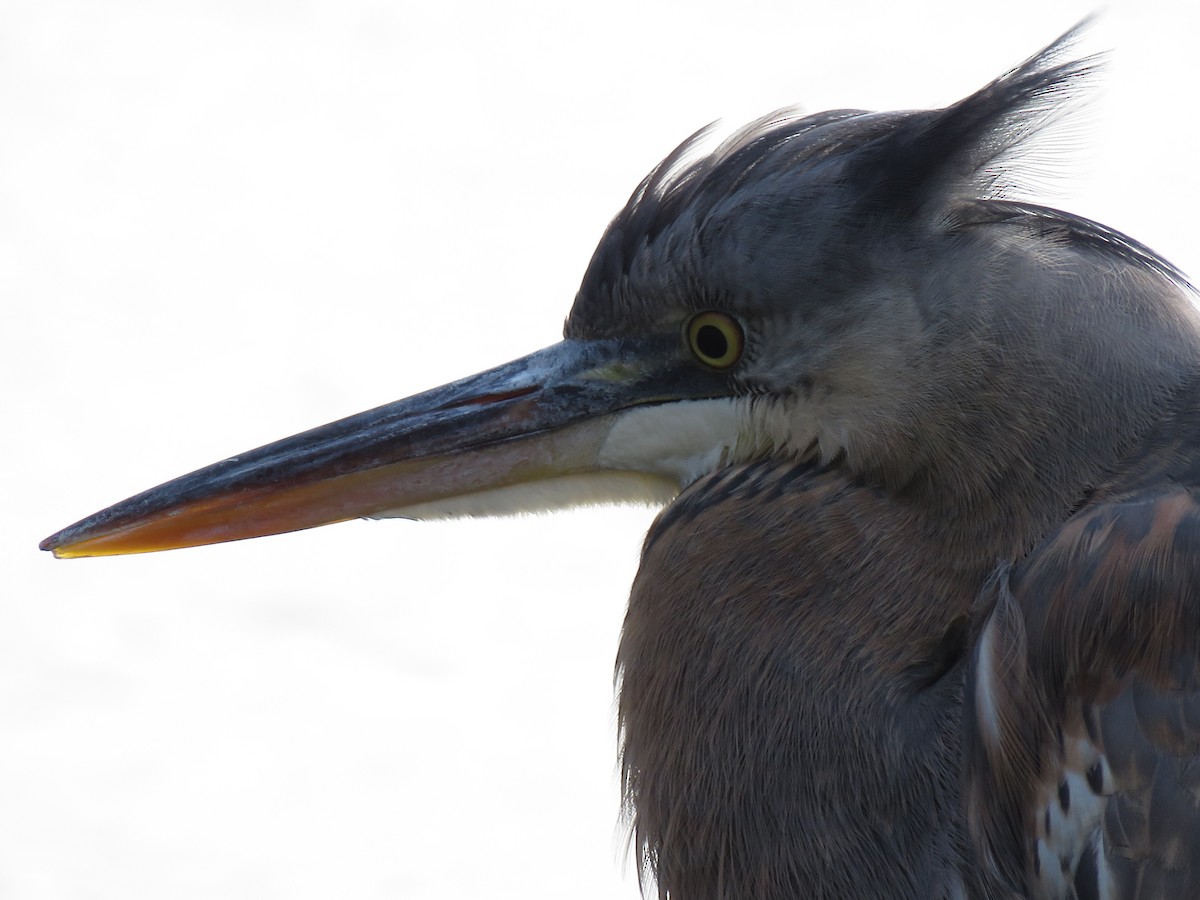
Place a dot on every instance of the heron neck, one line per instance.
(746, 688)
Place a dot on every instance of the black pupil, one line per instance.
(711, 342)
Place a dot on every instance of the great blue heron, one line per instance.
(920, 618)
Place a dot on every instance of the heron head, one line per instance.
(815, 287)
(847, 273)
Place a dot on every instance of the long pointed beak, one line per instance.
(545, 416)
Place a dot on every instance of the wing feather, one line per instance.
(1083, 711)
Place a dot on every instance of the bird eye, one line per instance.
(716, 339)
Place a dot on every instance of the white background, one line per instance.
(223, 222)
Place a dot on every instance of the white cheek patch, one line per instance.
(644, 455)
(680, 441)
(548, 495)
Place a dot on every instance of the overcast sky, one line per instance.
(224, 222)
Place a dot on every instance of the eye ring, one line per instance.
(716, 339)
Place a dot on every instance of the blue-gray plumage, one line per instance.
(921, 619)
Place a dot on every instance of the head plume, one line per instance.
(828, 170)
